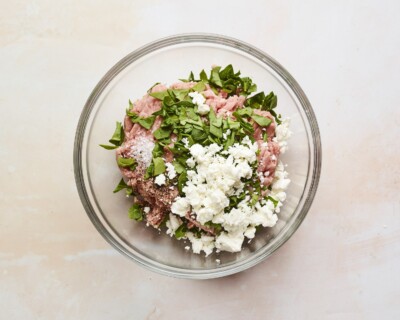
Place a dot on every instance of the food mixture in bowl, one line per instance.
(200, 159)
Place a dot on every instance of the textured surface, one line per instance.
(341, 264)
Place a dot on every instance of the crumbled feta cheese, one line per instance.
(185, 142)
(282, 134)
(204, 243)
(180, 206)
(199, 100)
(203, 109)
(172, 224)
(190, 162)
(216, 175)
(170, 170)
(146, 209)
(229, 242)
(160, 180)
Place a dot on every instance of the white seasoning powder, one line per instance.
(142, 149)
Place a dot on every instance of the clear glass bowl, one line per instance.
(165, 61)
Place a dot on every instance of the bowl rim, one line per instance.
(181, 39)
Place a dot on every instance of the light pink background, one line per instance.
(343, 262)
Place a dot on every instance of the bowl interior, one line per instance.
(130, 79)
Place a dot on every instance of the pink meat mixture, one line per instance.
(159, 199)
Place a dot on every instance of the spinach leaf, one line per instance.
(181, 231)
(118, 136)
(215, 78)
(136, 212)
(199, 87)
(159, 95)
(107, 147)
(159, 166)
(260, 120)
(127, 162)
(162, 133)
(121, 185)
(182, 181)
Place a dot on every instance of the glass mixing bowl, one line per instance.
(165, 61)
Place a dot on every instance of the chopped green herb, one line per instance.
(159, 166)
(127, 162)
(117, 138)
(260, 120)
(162, 133)
(136, 212)
(108, 147)
(275, 202)
(181, 231)
(121, 185)
(215, 78)
(179, 168)
(159, 95)
(182, 181)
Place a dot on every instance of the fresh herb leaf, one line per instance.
(274, 201)
(158, 150)
(107, 147)
(216, 226)
(159, 166)
(136, 212)
(191, 76)
(254, 199)
(181, 231)
(230, 141)
(162, 133)
(149, 91)
(216, 131)
(146, 123)
(118, 136)
(215, 78)
(245, 111)
(179, 168)
(199, 87)
(160, 95)
(121, 185)
(125, 162)
(262, 121)
(203, 76)
(182, 181)
(149, 171)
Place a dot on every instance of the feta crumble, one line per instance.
(160, 180)
(216, 176)
(170, 170)
(199, 100)
(282, 134)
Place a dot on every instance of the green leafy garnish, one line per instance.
(146, 123)
(260, 120)
(122, 185)
(127, 163)
(107, 147)
(117, 138)
(182, 181)
(136, 212)
(199, 87)
(181, 231)
(275, 202)
(159, 95)
(159, 166)
(162, 133)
